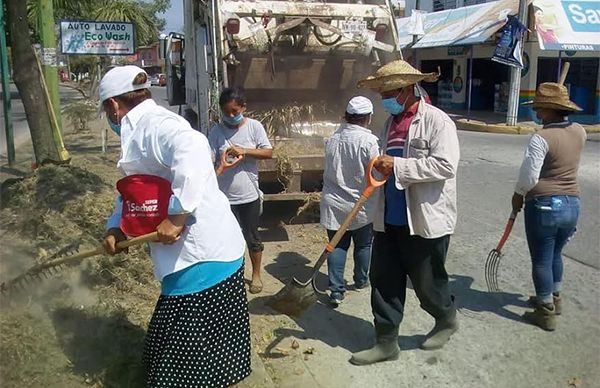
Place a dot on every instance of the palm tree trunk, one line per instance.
(27, 79)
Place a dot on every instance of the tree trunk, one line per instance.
(27, 79)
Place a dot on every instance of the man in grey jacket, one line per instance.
(415, 213)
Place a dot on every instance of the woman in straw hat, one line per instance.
(548, 185)
(415, 213)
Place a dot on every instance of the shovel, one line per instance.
(493, 260)
(52, 267)
(297, 296)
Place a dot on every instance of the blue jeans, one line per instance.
(336, 261)
(550, 222)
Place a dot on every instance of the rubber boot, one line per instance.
(386, 348)
(441, 332)
(543, 316)
(557, 303)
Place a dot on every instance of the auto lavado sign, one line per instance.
(97, 37)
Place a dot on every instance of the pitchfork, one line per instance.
(493, 260)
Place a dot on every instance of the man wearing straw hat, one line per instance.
(415, 213)
(548, 184)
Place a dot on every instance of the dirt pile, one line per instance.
(84, 327)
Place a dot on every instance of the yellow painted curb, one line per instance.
(479, 126)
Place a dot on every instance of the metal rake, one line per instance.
(57, 263)
(492, 263)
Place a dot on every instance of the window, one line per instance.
(440, 5)
(473, 2)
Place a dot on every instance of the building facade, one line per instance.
(489, 80)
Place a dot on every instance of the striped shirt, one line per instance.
(395, 200)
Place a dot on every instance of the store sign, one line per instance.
(568, 25)
(97, 38)
(584, 16)
(456, 50)
(461, 26)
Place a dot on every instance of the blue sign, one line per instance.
(584, 16)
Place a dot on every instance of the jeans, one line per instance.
(336, 261)
(550, 222)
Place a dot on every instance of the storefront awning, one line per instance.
(462, 26)
(568, 25)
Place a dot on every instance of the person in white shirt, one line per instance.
(199, 333)
(347, 153)
(241, 136)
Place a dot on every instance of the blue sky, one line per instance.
(174, 17)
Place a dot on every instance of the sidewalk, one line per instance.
(493, 348)
(491, 122)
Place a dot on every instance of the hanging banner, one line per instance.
(567, 25)
(97, 38)
(508, 50)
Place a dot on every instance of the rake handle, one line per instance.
(372, 184)
(563, 73)
(100, 250)
(507, 230)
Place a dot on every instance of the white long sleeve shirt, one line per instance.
(428, 174)
(156, 141)
(529, 173)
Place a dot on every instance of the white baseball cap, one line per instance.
(359, 105)
(119, 80)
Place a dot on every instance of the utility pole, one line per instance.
(8, 127)
(48, 58)
(515, 75)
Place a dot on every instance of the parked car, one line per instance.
(158, 79)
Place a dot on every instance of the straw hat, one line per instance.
(395, 75)
(551, 95)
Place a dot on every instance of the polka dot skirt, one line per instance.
(200, 339)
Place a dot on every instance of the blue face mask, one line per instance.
(115, 127)
(392, 106)
(233, 121)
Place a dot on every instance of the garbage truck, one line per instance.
(286, 55)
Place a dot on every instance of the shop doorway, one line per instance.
(441, 91)
(581, 80)
(491, 84)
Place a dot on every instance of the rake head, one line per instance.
(52, 266)
(492, 264)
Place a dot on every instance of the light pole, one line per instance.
(515, 76)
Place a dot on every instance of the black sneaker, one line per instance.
(336, 298)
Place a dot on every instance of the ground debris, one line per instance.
(295, 344)
(309, 350)
(575, 382)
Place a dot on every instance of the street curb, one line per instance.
(480, 126)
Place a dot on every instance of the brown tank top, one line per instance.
(559, 171)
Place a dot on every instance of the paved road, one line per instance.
(20, 128)
(487, 175)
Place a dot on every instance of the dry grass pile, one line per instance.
(85, 327)
(281, 120)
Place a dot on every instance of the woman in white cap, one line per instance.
(347, 154)
(548, 185)
(199, 333)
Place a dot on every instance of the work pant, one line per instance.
(336, 260)
(549, 224)
(396, 256)
(248, 216)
